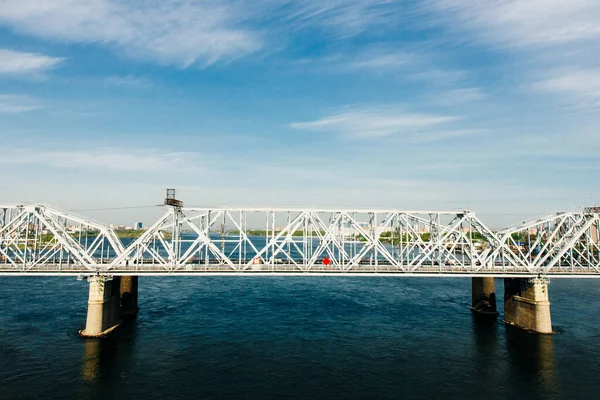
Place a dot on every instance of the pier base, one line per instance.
(484, 296)
(129, 297)
(104, 314)
(526, 304)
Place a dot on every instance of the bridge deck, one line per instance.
(289, 270)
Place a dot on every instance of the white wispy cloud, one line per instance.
(518, 23)
(107, 158)
(128, 81)
(187, 33)
(342, 17)
(16, 104)
(176, 32)
(22, 63)
(410, 63)
(374, 122)
(371, 58)
(554, 35)
(382, 59)
(440, 167)
(444, 134)
(581, 86)
(457, 97)
(432, 74)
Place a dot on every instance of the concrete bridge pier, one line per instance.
(484, 296)
(104, 303)
(129, 297)
(526, 304)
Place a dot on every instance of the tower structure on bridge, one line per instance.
(171, 200)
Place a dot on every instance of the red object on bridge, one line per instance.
(326, 261)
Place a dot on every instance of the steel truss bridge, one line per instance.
(37, 239)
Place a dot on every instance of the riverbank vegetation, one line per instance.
(394, 238)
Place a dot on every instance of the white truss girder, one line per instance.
(35, 237)
(39, 239)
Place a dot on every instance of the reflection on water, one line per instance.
(518, 362)
(91, 360)
(107, 362)
(531, 361)
(99, 356)
(487, 350)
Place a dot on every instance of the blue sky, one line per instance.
(433, 104)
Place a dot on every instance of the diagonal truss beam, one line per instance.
(38, 238)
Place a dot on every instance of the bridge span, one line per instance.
(37, 239)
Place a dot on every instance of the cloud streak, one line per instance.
(581, 86)
(374, 122)
(559, 38)
(343, 18)
(128, 81)
(113, 159)
(409, 64)
(175, 32)
(382, 59)
(517, 23)
(191, 33)
(16, 104)
(22, 63)
(457, 97)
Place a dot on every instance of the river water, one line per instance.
(295, 338)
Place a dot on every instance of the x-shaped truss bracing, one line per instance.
(563, 243)
(38, 238)
(42, 239)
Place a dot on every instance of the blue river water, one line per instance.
(295, 338)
